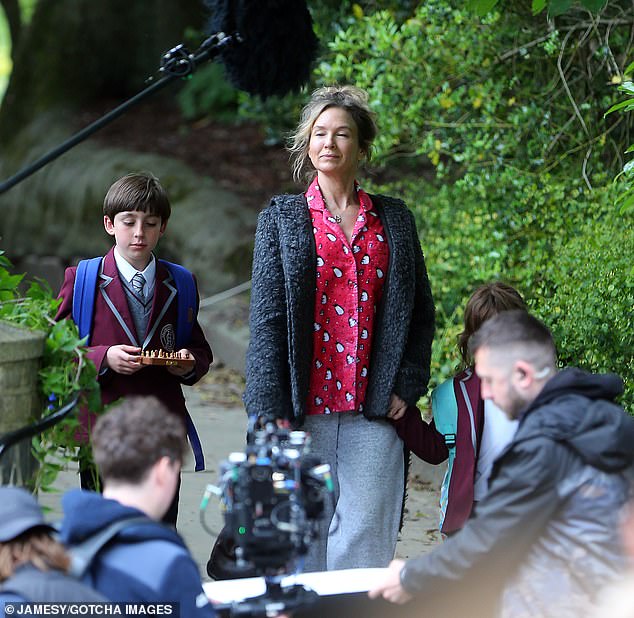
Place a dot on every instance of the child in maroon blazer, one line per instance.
(136, 307)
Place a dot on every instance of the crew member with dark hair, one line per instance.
(138, 448)
(545, 538)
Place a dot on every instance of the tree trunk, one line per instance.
(76, 52)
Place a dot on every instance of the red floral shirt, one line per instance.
(349, 285)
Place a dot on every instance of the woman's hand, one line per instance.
(397, 408)
(391, 588)
(123, 359)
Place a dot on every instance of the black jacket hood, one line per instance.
(577, 408)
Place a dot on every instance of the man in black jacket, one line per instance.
(545, 538)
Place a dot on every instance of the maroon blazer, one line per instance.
(424, 440)
(113, 325)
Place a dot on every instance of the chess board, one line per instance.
(166, 359)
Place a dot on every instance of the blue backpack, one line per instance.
(84, 298)
(445, 409)
(84, 292)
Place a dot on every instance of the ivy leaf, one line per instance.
(10, 282)
(558, 7)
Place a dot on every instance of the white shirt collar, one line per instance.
(128, 271)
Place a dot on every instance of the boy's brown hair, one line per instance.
(133, 435)
(138, 191)
(488, 300)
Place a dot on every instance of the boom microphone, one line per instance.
(277, 43)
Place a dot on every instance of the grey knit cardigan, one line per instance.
(280, 351)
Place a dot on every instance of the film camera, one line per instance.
(272, 495)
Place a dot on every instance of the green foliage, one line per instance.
(472, 93)
(555, 7)
(626, 198)
(587, 297)
(208, 93)
(65, 371)
(495, 129)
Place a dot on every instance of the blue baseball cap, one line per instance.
(19, 512)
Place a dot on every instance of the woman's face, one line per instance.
(334, 143)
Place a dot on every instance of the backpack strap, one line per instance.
(22, 584)
(84, 553)
(187, 302)
(84, 295)
(33, 585)
(445, 409)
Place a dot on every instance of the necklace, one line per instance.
(337, 218)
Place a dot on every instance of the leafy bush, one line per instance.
(468, 93)
(565, 248)
(587, 297)
(65, 371)
(496, 128)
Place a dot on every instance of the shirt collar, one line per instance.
(128, 271)
(316, 201)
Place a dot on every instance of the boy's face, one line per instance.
(136, 234)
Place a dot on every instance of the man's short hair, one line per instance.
(138, 191)
(520, 333)
(133, 435)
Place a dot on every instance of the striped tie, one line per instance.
(138, 281)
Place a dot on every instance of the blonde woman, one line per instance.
(342, 320)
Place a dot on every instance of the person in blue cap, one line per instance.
(33, 565)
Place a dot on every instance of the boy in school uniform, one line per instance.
(136, 308)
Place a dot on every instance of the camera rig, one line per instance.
(272, 496)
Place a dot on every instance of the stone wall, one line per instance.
(20, 354)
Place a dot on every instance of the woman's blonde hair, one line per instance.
(350, 98)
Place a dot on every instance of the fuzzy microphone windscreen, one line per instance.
(277, 48)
